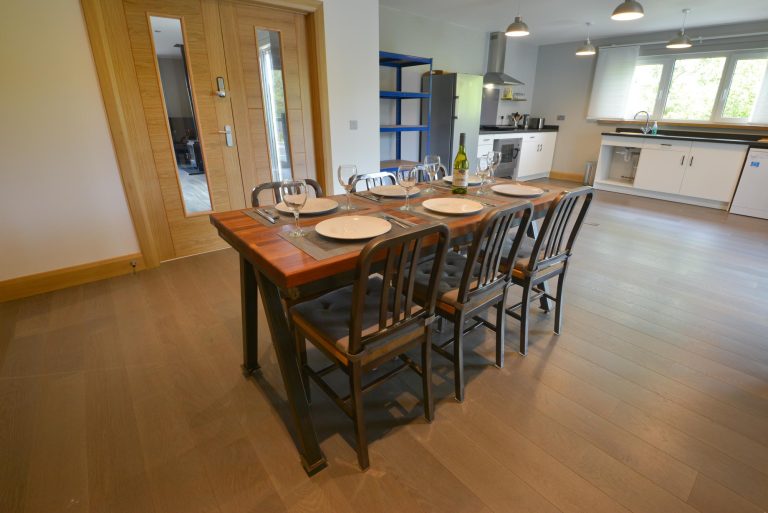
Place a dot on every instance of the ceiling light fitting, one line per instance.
(587, 48)
(517, 28)
(628, 10)
(681, 41)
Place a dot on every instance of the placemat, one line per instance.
(320, 248)
(288, 219)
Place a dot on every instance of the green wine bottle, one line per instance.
(460, 168)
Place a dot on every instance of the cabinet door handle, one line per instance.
(682, 160)
(691, 162)
(666, 144)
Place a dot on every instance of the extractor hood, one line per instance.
(497, 51)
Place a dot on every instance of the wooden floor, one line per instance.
(126, 395)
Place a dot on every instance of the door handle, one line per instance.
(691, 162)
(227, 135)
(682, 160)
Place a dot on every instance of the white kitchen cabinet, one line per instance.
(712, 170)
(662, 166)
(536, 154)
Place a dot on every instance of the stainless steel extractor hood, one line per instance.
(497, 51)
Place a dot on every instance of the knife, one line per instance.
(399, 222)
(266, 216)
(368, 197)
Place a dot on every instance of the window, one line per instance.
(724, 86)
(747, 79)
(693, 90)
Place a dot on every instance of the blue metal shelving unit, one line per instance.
(398, 62)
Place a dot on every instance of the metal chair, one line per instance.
(275, 188)
(375, 320)
(473, 283)
(374, 179)
(547, 257)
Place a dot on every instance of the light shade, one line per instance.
(517, 28)
(628, 10)
(586, 49)
(680, 41)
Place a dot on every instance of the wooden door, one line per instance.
(712, 170)
(176, 44)
(264, 45)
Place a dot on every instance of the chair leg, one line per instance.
(500, 329)
(356, 386)
(559, 303)
(458, 357)
(524, 319)
(301, 350)
(426, 376)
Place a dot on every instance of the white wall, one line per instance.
(352, 57)
(61, 199)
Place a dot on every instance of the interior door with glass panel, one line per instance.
(267, 62)
(172, 56)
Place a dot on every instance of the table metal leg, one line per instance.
(546, 304)
(250, 317)
(287, 358)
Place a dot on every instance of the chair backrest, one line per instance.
(275, 188)
(489, 248)
(375, 179)
(400, 256)
(559, 231)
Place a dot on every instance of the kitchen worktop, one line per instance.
(502, 130)
(751, 140)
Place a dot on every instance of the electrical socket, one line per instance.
(353, 124)
(561, 117)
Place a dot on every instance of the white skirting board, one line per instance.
(661, 195)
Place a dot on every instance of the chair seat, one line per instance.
(448, 287)
(328, 318)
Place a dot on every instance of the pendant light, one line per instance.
(628, 10)
(517, 28)
(587, 48)
(681, 41)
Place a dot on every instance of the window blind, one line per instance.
(760, 111)
(612, 82)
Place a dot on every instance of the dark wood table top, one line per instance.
(288, 266)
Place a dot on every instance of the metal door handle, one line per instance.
(682, 160)
(227, 135)
(691, 162)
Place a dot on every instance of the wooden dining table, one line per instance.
(283, 274)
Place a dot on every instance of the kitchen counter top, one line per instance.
(548, 128)
(750, 140)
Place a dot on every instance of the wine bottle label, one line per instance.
(460, 178)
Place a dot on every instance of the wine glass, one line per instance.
(294, 193)
(484, 172)
(431, 165)
(494, 159)
(407, 177)
(347, 174)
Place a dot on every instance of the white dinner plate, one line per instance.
(471, 179)
(453, 206)
(313, 206)
(514, 189)
(393, 191)
(353, 227)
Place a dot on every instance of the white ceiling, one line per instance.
(558, 21)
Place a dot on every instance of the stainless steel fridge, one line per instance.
(456, 102)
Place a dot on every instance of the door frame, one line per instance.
(111, 49)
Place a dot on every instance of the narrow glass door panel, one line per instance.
(180, 114)
(275, 118)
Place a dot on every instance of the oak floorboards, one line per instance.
(126, 395)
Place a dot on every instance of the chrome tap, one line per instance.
(647, 127)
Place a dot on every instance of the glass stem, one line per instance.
(349, 207)
(296, 218)
(407, 197)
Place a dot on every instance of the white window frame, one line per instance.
(665, 83)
